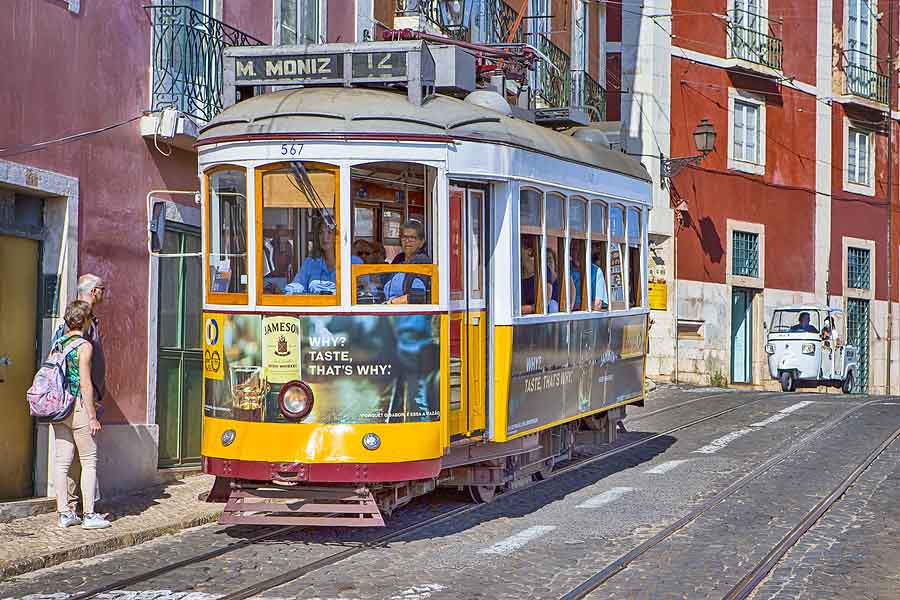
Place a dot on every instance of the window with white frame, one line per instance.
(860, 26)
(859, 156)
(746, 132)
(299, 22)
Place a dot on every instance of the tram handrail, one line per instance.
(357, 271)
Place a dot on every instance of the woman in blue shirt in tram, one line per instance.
(398, 290)
(319, 271)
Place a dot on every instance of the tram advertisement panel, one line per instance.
(563, 369)
(361, 368)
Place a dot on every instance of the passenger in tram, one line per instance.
(406, 288)
(318, 273)
(599, 295)
(553, 279)
(575, 274)
(528, 291)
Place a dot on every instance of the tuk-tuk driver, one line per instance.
(803, 325)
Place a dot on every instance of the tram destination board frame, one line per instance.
(409, 63)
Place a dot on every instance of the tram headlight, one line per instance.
(371, 441)
(295, 400)
(808, 349)
(770, 348)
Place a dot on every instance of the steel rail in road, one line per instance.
(621, 563)
(294, 574)
(332, 559)
(751, 581)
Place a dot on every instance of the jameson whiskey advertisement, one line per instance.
(361, 368)
(560, 370)
(281, 348)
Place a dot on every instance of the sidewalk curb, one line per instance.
(126, 539)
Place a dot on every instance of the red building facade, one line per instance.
(797, 203)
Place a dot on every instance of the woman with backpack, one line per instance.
(79, 429)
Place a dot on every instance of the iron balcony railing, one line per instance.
(554, 79)
(589, 95)
(749, 42)
(863, 78)
(438, 14)
(502, 19)
(187, 59)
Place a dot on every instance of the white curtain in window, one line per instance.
(746, 132)
(859, 32)
(858, 157)
(298, 22)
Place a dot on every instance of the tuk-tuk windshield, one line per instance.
(796, 321)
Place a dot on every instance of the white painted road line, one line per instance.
(419, 592)
(665, 467)
(605, 498)
(781, 414)
(513, 543)
(718, 444)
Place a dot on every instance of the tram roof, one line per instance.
(341, 110)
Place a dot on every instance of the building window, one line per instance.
(299, 22)
(745, 254)
(858, 268)
(858, 156)
(859, 32)
(746, 132)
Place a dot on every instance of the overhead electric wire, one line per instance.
(26, 148)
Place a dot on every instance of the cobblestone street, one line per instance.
(733, 485)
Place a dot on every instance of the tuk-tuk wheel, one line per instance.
(847, 386)
(788, 384)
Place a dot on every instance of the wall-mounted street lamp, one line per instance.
(705, 142)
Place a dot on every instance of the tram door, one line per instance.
(468, 314)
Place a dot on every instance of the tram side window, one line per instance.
(617, 273)
(599, 288)
(299, 231)
(228, 231)
(558, 290)
(530, 219)
(393, 241)
(578, 253)
(635, 286)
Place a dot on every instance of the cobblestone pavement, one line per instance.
(545, 540)
(36, 542)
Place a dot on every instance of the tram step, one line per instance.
(298, 505)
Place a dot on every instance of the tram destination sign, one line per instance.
(306, 67)
(409, 63)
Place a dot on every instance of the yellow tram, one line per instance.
(405, 289)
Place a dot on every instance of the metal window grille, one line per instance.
(745, 254)
(752, 38)
(858, 336)
(858, 276)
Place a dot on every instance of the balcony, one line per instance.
(422, 15)
(502, 18)
(750, 48)
(589, 95)
(864, 84)
(187, 49)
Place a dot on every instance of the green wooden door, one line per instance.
(179, 373)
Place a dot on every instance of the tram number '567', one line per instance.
(291, 149)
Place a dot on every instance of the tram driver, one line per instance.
(409, 288)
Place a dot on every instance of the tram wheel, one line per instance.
(544, 473)
(482, 494)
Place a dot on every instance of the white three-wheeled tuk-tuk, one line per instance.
(805, 351)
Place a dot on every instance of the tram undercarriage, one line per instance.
(481, 470)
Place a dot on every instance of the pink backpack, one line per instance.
(49, 397)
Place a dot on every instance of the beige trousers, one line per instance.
(67, 440)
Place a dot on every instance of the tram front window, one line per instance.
(392, 236)
(299, 232)
(227, 231)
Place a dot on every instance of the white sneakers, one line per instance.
(91, 521)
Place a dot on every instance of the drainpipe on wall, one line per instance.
(890, 200)
(675, 290)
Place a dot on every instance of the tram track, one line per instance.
(333, 559)
(746, 586)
